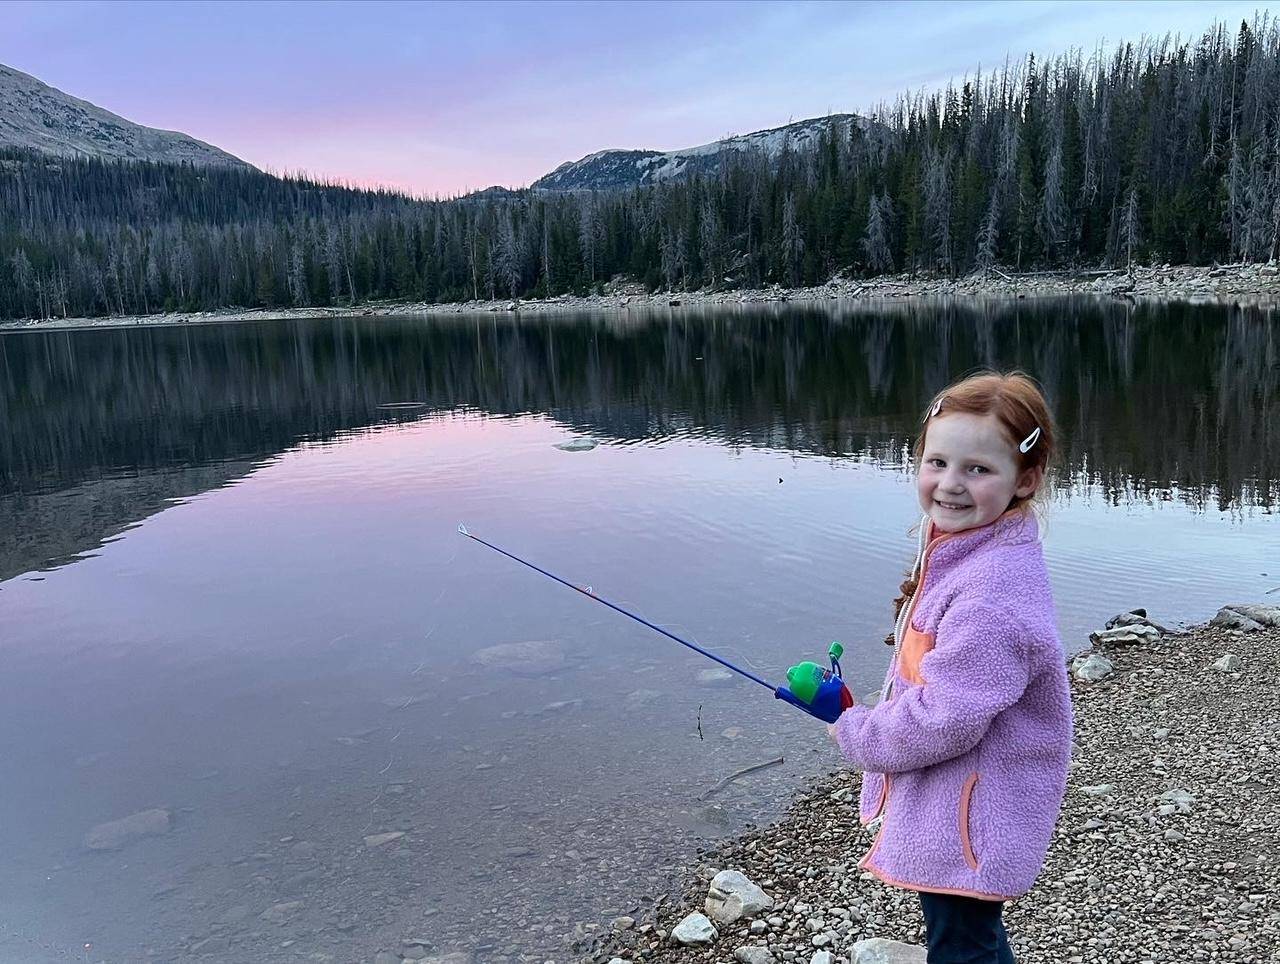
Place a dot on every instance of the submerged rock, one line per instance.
(116, 833)
(716, 676)
(533, 657)
(279, 913)
(577, 445)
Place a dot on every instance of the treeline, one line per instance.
(1159, 151)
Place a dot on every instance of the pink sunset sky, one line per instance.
(441, 98)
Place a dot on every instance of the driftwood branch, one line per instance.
(739, 773)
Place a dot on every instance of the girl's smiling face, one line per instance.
(968, 472)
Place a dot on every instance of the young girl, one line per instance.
(965, 757)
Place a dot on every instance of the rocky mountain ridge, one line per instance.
(35, 116)
(614, 169)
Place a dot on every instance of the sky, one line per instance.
(443, 98)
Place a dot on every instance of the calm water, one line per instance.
(233, 589)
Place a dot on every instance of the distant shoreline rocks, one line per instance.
(1217, 284)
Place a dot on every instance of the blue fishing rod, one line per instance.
(819, 692)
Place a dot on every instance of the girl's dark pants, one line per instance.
(964, 930)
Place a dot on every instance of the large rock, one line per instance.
(878, 950)
(533, 657)
(1092, 668)
(754, 955)
(695, 929)
(1263, 615)
(1248, 617)
(1128, 619)
(1136, 617)
(1126, 635)
(116, 833)
(731, 896)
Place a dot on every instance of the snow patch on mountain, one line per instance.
(630, 168)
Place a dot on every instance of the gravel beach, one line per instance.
(1168, 847)
(1221, 284)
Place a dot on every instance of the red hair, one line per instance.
(1019, 406)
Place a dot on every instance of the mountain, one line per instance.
(622, 168)
(38, 117)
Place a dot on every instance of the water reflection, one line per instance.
(1154, 401)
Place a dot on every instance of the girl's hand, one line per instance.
(831, 732)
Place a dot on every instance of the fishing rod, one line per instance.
(819, 692)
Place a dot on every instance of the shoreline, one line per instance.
(1225, 284)
(1166, 849)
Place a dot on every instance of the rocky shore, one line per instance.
(1227, 284)
(1168, 848)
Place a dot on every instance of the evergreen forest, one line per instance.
(1163, 150)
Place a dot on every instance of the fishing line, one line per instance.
(817, 691)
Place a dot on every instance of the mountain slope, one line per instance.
(35, 116)
(629, 168)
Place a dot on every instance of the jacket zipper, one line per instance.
(908, 607)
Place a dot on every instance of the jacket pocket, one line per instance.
(966, 802)
(875, 793)
(915, 647)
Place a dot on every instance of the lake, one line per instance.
(234, 591)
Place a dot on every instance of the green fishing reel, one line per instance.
(819, 692)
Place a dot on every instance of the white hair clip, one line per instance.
(1025, 445)
(936, 407)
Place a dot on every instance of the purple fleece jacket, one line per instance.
(965, 758)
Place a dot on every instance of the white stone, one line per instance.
(754, 955)
(1126, 635)
(731, 896)
(695, 929)
(1181, 800)
(1093, 667)
(1230, 663)
(378, 839)
(822, 957)
(878, 950)
(1101, 790)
